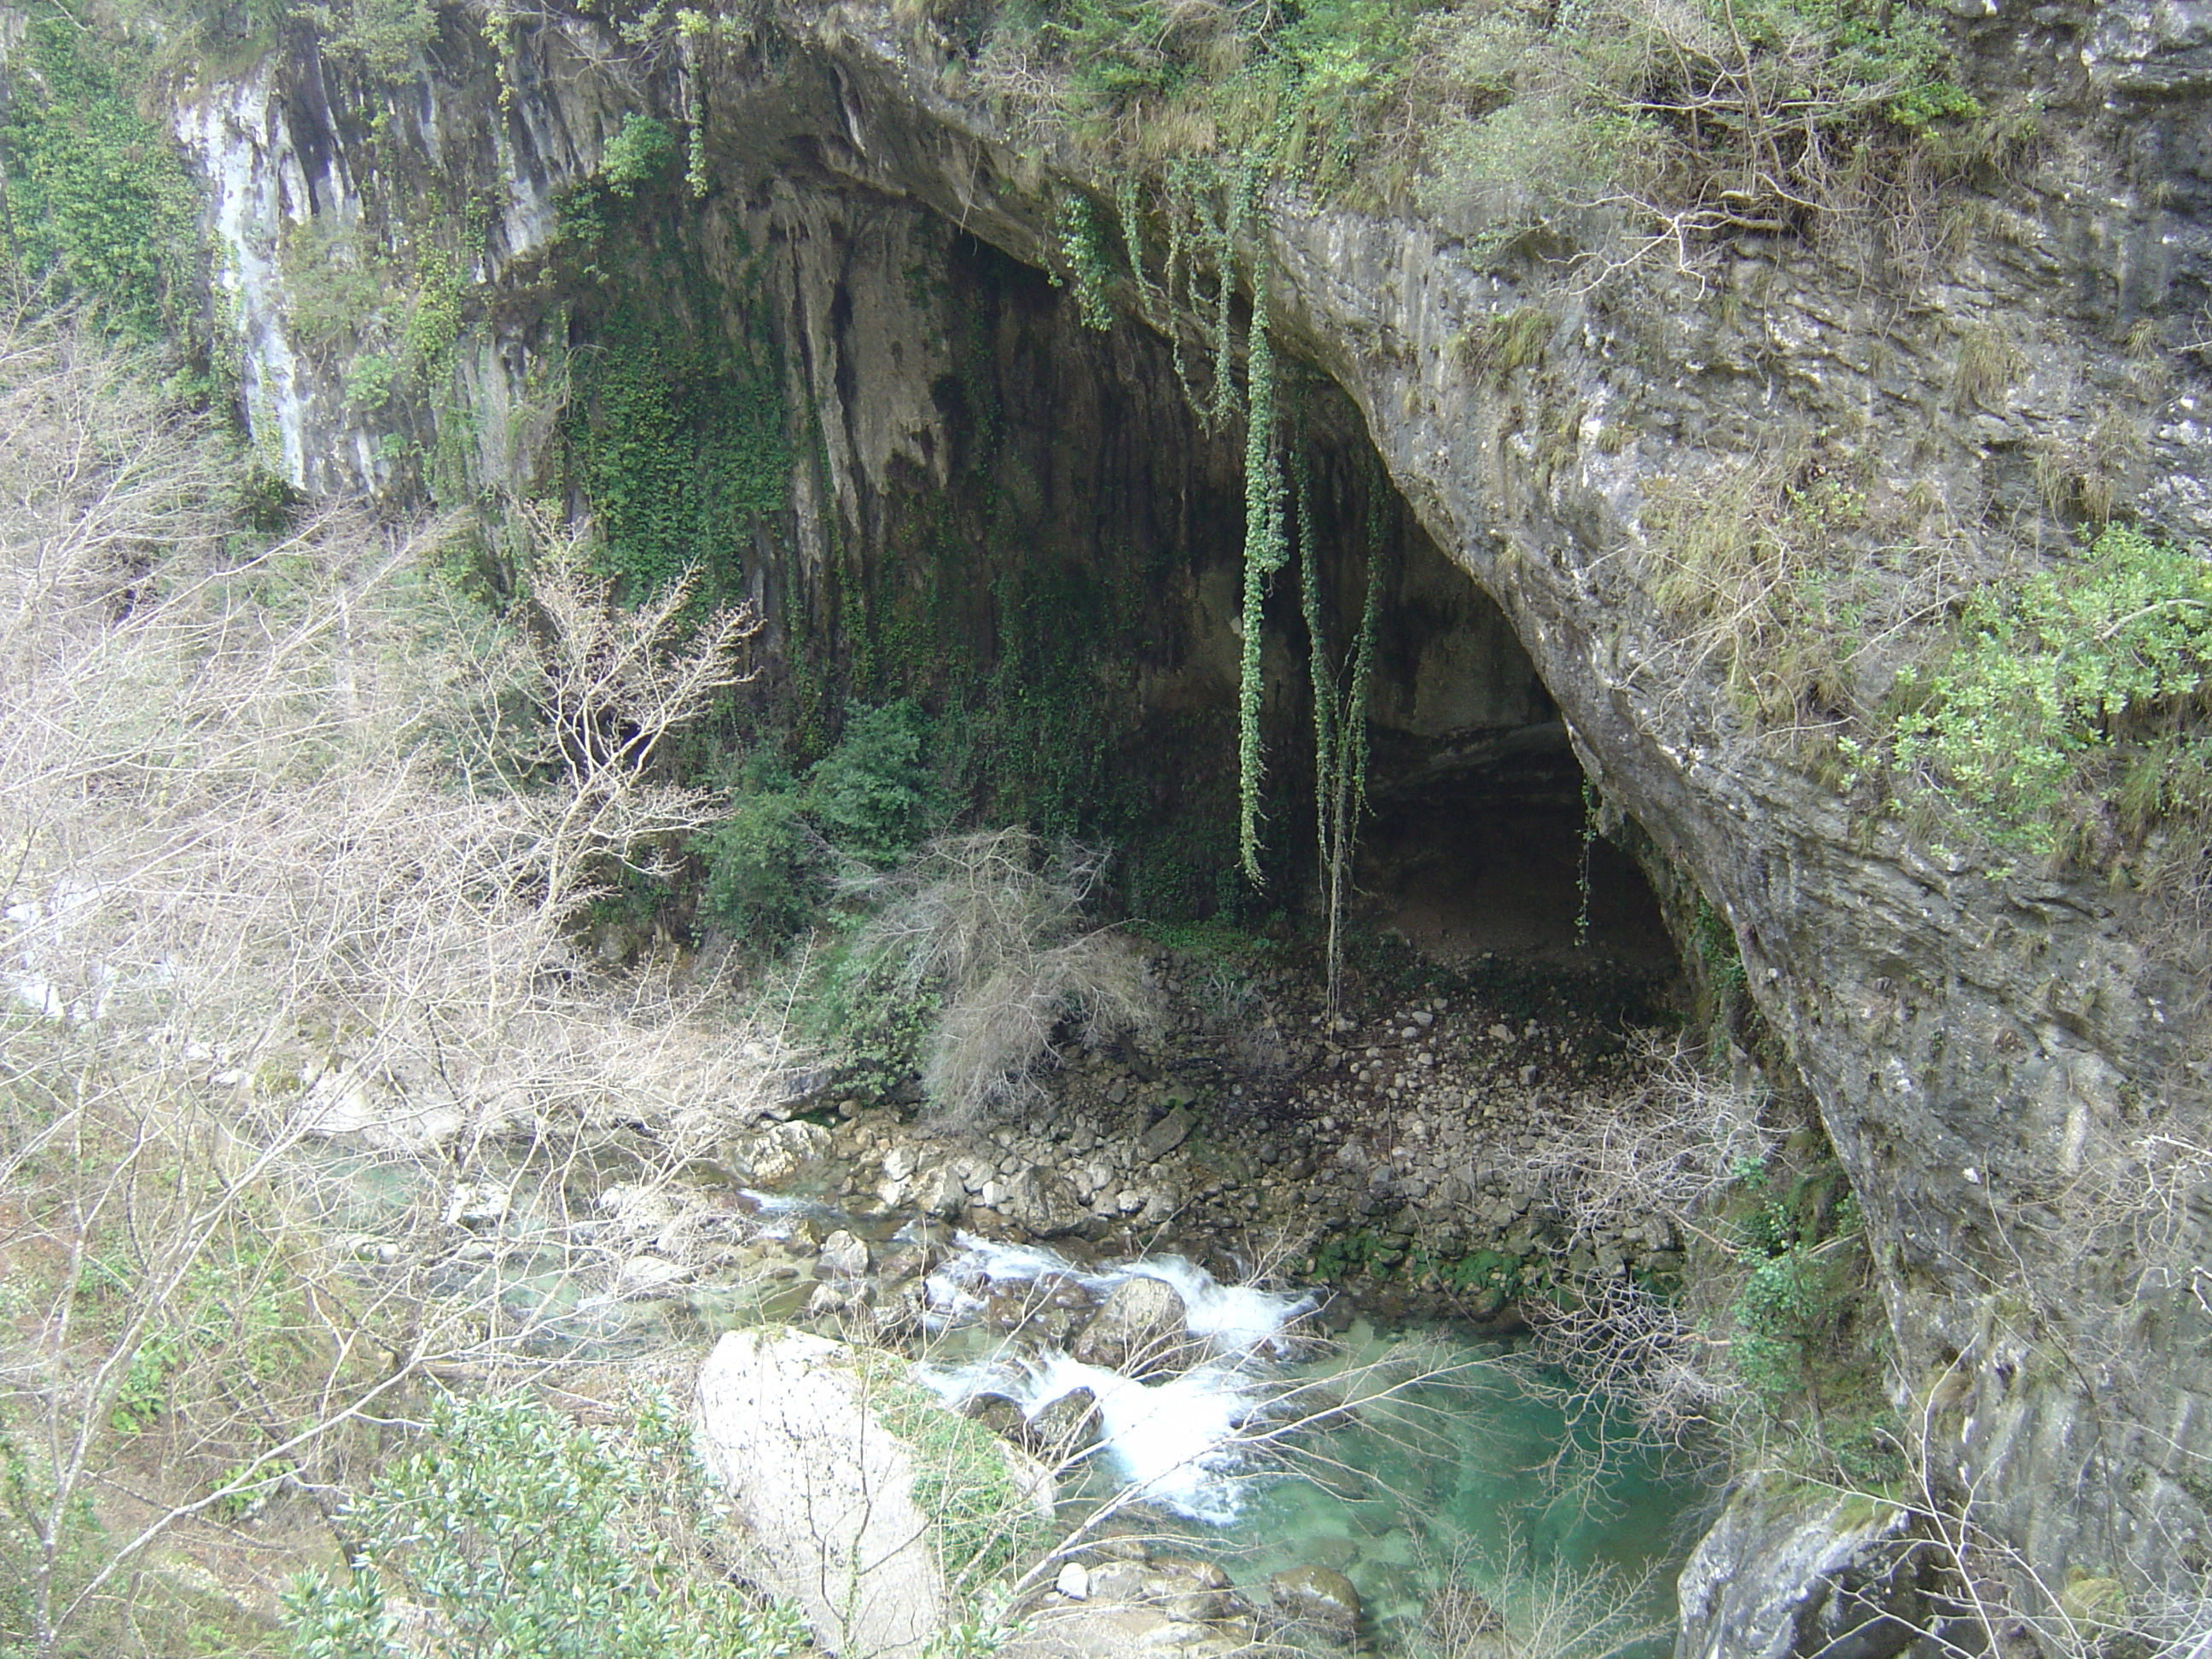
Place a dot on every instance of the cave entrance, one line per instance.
(1477, 841)
(1493, 860)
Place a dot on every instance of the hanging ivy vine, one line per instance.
(1202, 212)
(1267, 549)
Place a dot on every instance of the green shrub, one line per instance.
(2053, 685)
(858, 1007)
(638, 155)
(98, 201)
(761, 880)
(1797, 1265)
(526, 1536)
(385, 37)
(872, 794)
(333, 283)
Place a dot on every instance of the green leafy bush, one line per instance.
(636, 155)
(526, 1536)
(385, 37)
(870, 800)
(2055, 685)
(859, 1008)
(98, 201)
(761, 875)
(872, 794)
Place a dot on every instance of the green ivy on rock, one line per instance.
(96, 201)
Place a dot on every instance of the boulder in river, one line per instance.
(1141, 1328)
(1064, 1427)
(1000, 1414)
(1318, 1597)
(844, 1255)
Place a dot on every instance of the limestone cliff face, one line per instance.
(1983, 1045)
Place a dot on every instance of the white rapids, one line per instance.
(1182, 1442)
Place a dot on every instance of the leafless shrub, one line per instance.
(1638, 1364)
(996, 924)
(1641, 1369)
(293, 836)
(1496, 1602)
(1666, 1149)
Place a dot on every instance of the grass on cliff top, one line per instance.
(1494, 119)
(2025, 709)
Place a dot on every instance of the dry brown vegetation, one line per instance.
(294, 1046)
(991, 924)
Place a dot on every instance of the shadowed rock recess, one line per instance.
(868, 249)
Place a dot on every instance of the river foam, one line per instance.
(1183, 1442)
(1234, 1319)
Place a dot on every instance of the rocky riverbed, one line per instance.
(1177, 1245)
(1393, 1152)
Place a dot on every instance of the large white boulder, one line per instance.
(792, 1427)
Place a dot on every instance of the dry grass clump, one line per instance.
(1989, 365)
(993, 923)
(2086, 474)
(1807, 586)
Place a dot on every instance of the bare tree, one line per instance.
(993, 923)
(300, 1066)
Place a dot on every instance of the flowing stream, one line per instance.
(1403, 1459)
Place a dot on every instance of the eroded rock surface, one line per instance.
(1790, 1572)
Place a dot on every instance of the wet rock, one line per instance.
(1000, 1414)
(1319, 1597)
(1196, 1607)
(1008, 1308)
(1196, 1591)
(1120, 1581)
(1141, 1328)
(802, 1238)
(1194, 1573)
(772, 1158)
(848, 1305)
(1045, 1203)
(1064, 1427)
(938, 1192)
(907, 1261)
(844, 1255)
